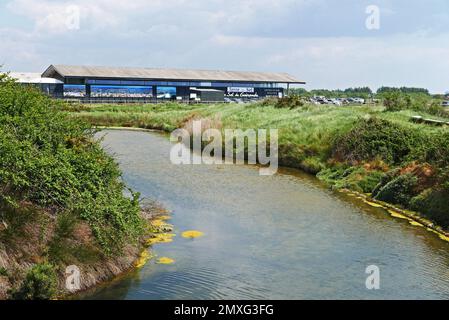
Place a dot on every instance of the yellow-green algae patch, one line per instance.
(398, 215)
(143, 259)
(158, 223)
(373, 204)
(165, 260)
(416, 224)
(192, 234)
(160, 238)
(413, 217)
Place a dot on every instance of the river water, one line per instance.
(279, 237)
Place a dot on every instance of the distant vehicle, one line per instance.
(359, 100)
(350, 100)
(336, 102)
(314, 101)
(445, 103)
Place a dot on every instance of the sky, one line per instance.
(331, 44)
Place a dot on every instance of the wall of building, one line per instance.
(113, 90)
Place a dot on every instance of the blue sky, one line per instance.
(324, 42)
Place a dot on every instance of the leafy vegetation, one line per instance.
(52, 160)
(396, 100)
(51, 163)
(41, 283)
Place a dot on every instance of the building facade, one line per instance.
(104, 84)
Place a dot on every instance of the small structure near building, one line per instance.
(49, 86)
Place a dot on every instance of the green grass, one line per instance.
(303, 132)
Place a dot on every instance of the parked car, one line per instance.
(336, 102)
(359, 100)
(445, 103)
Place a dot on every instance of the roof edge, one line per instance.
(52, 69)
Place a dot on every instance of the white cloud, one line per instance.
(321, 41)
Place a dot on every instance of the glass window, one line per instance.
(75, 91)
(166, 92)
(110, 91)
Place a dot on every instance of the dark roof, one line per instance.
(167, 74)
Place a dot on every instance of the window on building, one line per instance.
(111, 91)
(74, 90)
(166, 92)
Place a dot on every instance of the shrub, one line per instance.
(398, 190)
(270, 101)
(40, 284)
(353, 178)
(376, 139)
(396, 101)
(435, 108)
(290, 102)
(434, 205)
(312, 165)
(54, 161)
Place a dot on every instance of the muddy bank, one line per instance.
(78, 248)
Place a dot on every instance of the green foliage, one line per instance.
(40, 284)
(63, 248)
(373, 138)
(399, 190)
(16, 219)
(312, 165)
(362, 92)
(384, 90)
(396, 101)
(3, 272)
(52, 160)
(353, 178)
(290, 102)
(434, 205)
(435, 108)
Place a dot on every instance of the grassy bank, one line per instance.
(62, 200)
(370, 149)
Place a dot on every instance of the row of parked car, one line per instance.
(239, 100)
(336, 101)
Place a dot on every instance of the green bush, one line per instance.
(434, 205)
(290, 102)
(376, 139)
(353, 178)
(40, 284)
(53, 161)
(312, 165)
(396, 101)
(398, 190)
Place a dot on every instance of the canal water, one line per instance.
(279, 237)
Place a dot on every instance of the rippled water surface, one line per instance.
(279, 237)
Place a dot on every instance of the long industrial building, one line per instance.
(111, 84)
